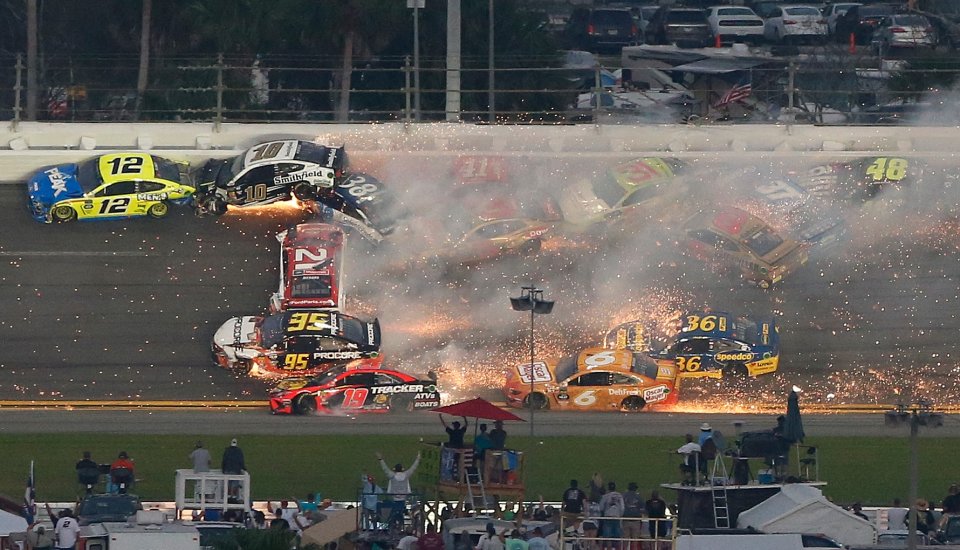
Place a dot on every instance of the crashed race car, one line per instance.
(597, 379)
(296, 342)
(863, 178)
(354, 390)
(310, 268)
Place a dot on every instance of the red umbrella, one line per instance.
(478, 408)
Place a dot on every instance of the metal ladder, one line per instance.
(721, 507)
(473, 477)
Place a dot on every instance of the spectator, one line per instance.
(408, 541)
(399, 484)
(706, 432)
(573, 502)
(295, 522)
(857, 510)
(925, 521)
(951, 503)
(369, 498)
(596, 487)
(66, 530)
(537, 542)
(515, 541)
(498, 436)
(896, 515)
(431, 540)
(481, 443)
(278, 521)
(88, 472)
(39, 539)
(657, 512)
(611, 506)
(490, 540)
(589, 532)
(632, 508)
(455, 432)
(201, 458)
(309, 505)
(690, 466)
(232, 461)
(121, 473)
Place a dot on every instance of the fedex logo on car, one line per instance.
(58, 181)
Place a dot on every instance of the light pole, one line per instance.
(531, 299)
(416, 5)
(918, 413)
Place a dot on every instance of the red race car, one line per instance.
(354, 390)
(310, 269)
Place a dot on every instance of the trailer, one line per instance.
(144, 534)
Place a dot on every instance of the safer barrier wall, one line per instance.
(33, 144)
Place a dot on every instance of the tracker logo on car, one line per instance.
(58, 181)
(734, 356)
(399, 388)
(338, 355)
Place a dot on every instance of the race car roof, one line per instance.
(308, 323)
(291, 149)
(725, 325)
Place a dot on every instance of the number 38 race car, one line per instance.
(301, 342)
(113, 186)
(597, 379)
(361, 390)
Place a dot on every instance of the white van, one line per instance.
(759, 541)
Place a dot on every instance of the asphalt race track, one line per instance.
(125, 310)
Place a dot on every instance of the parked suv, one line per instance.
(862, 21)
(601, 29)
(681, 26)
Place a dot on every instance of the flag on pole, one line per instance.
(739, 91)
(29, 498)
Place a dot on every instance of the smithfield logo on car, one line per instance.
(399, 388)
(332, 156)
(58, 181)
(338, 355)
(734, 356)
(653, 395)
(301, 176)
(370, 335)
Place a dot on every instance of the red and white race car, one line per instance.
(310, 268)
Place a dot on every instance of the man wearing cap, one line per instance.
(232, 462)
(706, 432)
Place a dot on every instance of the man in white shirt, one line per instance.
(691, 454)
(66, 531)
(896, 516)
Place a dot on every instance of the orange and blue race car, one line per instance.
(354, 390)
(709, 344)
(112, 186)
(596, 379)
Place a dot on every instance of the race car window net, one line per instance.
(312, 286)
(327, 376)
(763, 241)
(591, 379)
(746, 330)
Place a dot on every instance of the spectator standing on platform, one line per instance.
(455, 432)
(657, 512)
(632, 508)
(706, 432)
(232, 461)
(596, 487)
(688, 468)
(200, 458)
(431, 540)
(121, 472)
(481, 443)
(87, 462)
(951, 503)
(88, 472)
(573, 502)
(498, 435)
(896, 515)
(399, 486)
(369, 497)
(67, 530)
(611, 506)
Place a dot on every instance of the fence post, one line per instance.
(17, 89)
(406, 89)
(597, 96)
(218, 116)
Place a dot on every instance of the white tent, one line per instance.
(11, 523)
(803, 509)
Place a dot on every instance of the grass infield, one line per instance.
(872, 470)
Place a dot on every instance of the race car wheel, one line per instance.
(633, 403)
(764, 284)
(531, 247)
(64, 214)
(158, 210)
(536, 401)
(304, 191)
(305, 404)
(738, 371)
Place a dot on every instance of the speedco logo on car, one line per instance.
(338, 355)
(399, 388)
(737, 356)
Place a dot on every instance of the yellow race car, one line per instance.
(111, 186)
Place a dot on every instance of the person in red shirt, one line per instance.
(431, 540)
(121, 472)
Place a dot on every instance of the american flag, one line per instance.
(739, 91)
(29, 498)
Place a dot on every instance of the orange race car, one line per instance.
(597, 379)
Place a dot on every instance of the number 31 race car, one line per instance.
(118, 185)
(361, 390)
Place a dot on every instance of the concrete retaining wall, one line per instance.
(35, 144)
